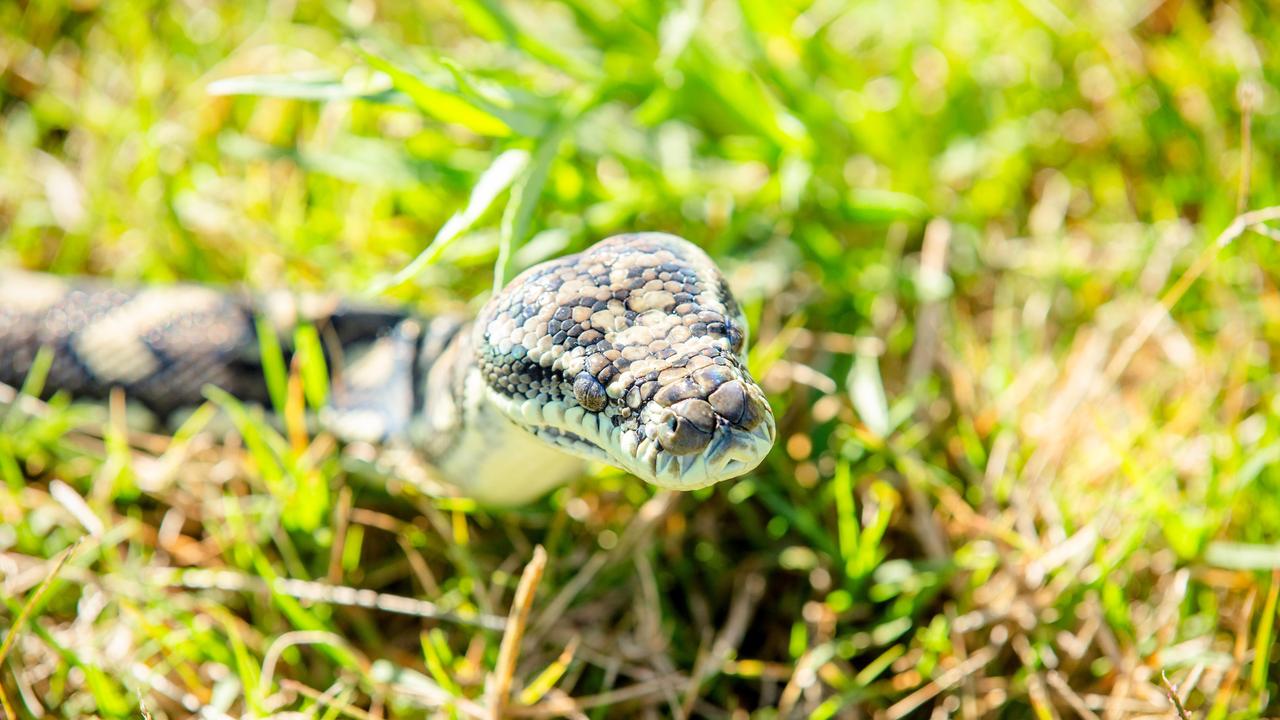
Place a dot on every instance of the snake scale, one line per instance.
(630, 353)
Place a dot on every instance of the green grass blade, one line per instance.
(320, 87)
(32, 384)
(846, 517)
(1262, 641)
(315, 372)
(524, 199)
(497, 178)
(274, 371)
(445, 102)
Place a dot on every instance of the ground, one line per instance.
(1023, 360)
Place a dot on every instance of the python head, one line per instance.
(629, 353)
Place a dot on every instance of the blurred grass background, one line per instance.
(1028, 408)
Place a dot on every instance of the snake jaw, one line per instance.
(629, 353)
(731, 452)
(571, 429)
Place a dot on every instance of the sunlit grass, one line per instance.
(1027, 405)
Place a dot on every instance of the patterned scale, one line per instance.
(163, 345)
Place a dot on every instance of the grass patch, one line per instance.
(1020, 345)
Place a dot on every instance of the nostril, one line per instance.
(678, 436)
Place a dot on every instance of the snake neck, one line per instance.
(468, 440)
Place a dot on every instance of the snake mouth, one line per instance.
(571, 443)
(732, 450)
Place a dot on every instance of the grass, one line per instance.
(1027, 399)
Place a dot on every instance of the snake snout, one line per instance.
(710, 401)
(679, 433)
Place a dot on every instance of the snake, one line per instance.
(631, 353)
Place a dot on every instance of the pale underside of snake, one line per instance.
(630, 353)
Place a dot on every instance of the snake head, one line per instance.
(631, 353)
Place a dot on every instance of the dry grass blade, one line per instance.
(1058, 683)
(25, 613)
(293, 639)
(342, 519)
(1172, 692)
(646, 518)
(744, 605)
(34, 600)
(67, 497)
(946, 680)
(318, 592)
(509, 651)
(932, 278)
(27, 404)
(321, 699)
(655, 689)
(1120, 360)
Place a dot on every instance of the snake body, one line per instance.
(629, 353)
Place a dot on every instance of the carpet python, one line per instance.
(630, 353)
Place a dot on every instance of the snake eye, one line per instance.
(589, 392)
(735, 337)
